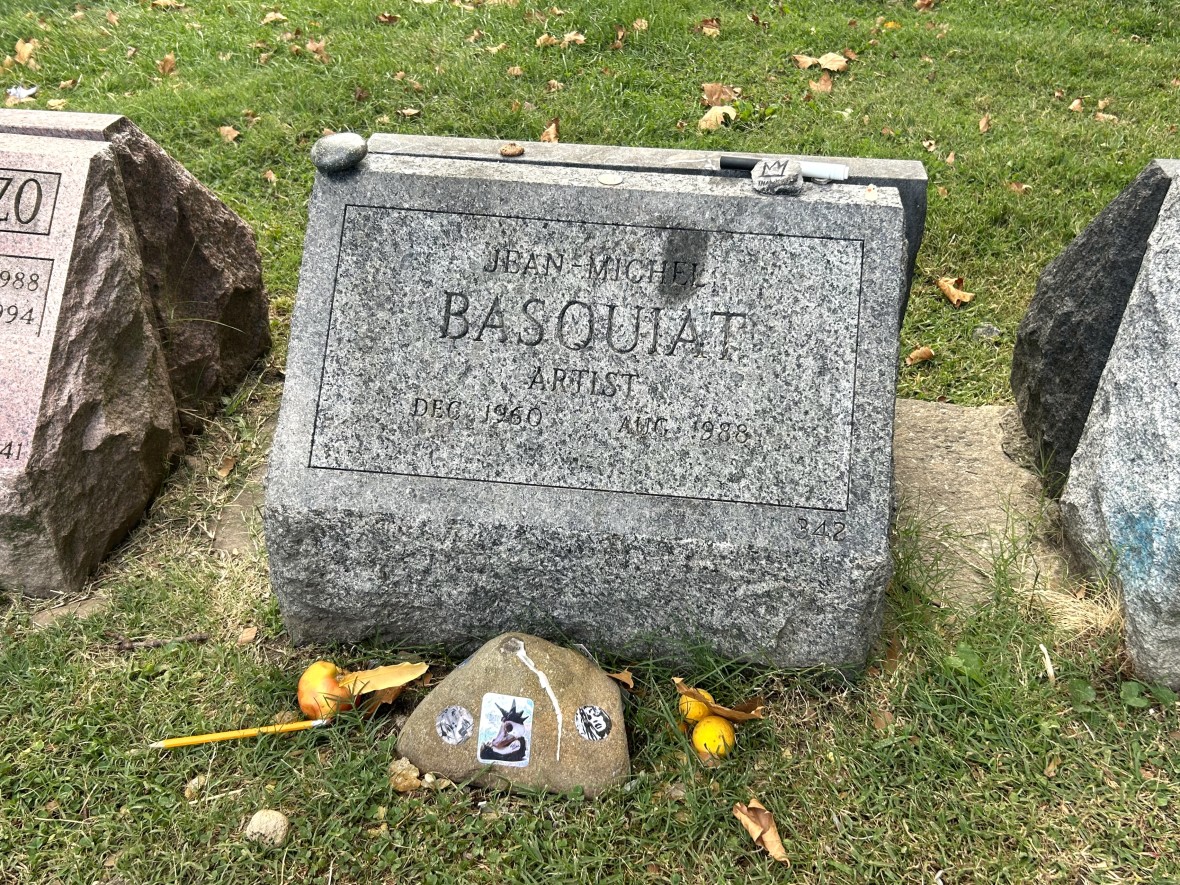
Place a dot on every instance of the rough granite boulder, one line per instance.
(97, 436)
(526, 713)
(1064, 339)
(200, 260)
(1121, 506)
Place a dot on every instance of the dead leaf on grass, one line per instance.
(270, 176)
(923, 5)
(474, 36)
(882, 719)
(515, 71)
(985, 122)
(167, 4)
(715, 118)
(1051, 766)
(55, 104)
(492, 50)
(833, 61)
(950, 158)
(710, 27)
(620, 33)
(572, 37)
(229, 461)
(805, 61)
(1076, 105)
(623, 677)
(1105, 118)
(552, 133)
(388, 18)
(194, 787)
(112, 19)
(407, 113)
(272, 17)
(316, 48)
(759, 823)
(167, 65)
(743, 712)
(714, 94)
(949, 286)
(247, 636)
(823, 85)
(554, 86)
(640, 24)
(68, 84)
(547, 40)
(930, 144)
(1019, 187)
(919, 355)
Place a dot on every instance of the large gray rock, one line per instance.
(87, 422)
(522, 712)
(201, 264)
(472, 438)
(1121, 506)
(1064, 339)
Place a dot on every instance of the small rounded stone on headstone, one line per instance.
(777, 177)
(511, 149)
(610, 179)
(339, 152)
(268, 826)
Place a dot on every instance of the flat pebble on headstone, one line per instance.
(338, 152)
(782, 177)
(1066, 334)
(202, 271)
(87, 422)
(1121, 507)
(522, 712)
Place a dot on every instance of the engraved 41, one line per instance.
(12, 451)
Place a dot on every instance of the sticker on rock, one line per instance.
(505, 730)
(592, 722)
(454, 725)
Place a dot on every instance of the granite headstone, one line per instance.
(1121, 506)
(87, 421)
(638, 409)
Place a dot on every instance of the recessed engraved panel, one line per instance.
(570, 354)
(27, 200)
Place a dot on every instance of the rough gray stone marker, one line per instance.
(87, 420)
(1122, 502)
(636, 415)
(202, 269)
(522, 711)
(908, 176)
(1066, 335)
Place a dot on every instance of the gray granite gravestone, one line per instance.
(1066, 335)
(1121, 505)
(201, 267)
(638, 409)
(87, 419)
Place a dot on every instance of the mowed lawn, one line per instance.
(959, 756)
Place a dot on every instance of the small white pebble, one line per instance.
(268, 826)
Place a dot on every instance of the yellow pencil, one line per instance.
(173, 743)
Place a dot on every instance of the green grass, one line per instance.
(988, 771)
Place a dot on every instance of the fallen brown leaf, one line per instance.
(759, 823)
(919, 355)
(743, 712)
(499, 47)
(474, 36)
(167, 65)
(68, 84)
(229, 462)
(381, 678)
(923, 5)
(1104, 104)
(547, 40)
(1051, 766)
(882, 719)
(823, 85)
(949, 286)
(714, 94)
(930, 144)
(640, 24)
(943, 192)
(552, 133)
(891, 26)
(1019, 187)
(408, 112)
(55, 104)
(1076, 105)
(833, 61)
(272, 17)
(715, 118)
(112, 19)
(1105, 118)
(247, 636)
(572, 37)
(316, 48)
(194, 787)
(361, 94)
(950, 158)
(228, 134)
(1058, 94)
(515, 71)
(805, 61)
(985, 122)
(388, 18)
(623, 678)
(270, 176)
(710, 27)
(850, 55)
(167, 4)
(554, 86)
